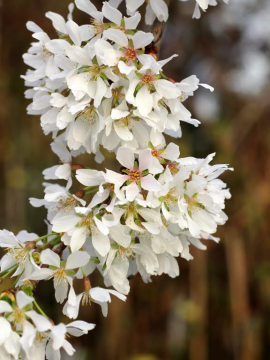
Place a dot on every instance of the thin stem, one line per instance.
(91, 190)
(40, 310)
(45, 236)
(13, 267)
(9, 272)
(18, 279)
(52, 242)
(83, 272)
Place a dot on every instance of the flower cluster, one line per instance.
(27, 334)
(100, 86)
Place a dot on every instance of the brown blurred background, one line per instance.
(219, 307)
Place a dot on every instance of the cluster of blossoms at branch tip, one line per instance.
(100, 86)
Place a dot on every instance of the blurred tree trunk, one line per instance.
(244, 341)
(198, 347)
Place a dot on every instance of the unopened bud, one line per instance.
(36, 257)
(30, 244)
(76, 166)
(80, 194)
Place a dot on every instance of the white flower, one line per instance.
(154, 8)
(203, 5)
(128, 48)
(147, 87)
(135, 176)
(19, 253)
(61, 273)
(98, 295)
(57, 337)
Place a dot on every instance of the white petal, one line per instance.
(57, 46)
(105, 53)
(79, 327)
(142, 39)
(113, 177)
(63, 171)
(119, 114)
(132, 21)
(74, 32)
(33, 27)
(86, 6)
(132, 190)
(100, 242)
(49, 257)
(58, 333)
(116, 36)
(150, 16)
(111, 13)
(42, 324)
(41, 274)
(150, 183)
(87, 32)
(61, 290)
(7, 239)
(144, 101)
(117, 294)
(208, 87)
(98, 198)
(22, 299)
(72, 306)
(99, 294)
(125, 69)
(167, 89)
(101, 90)
(64, 221)
(12, 344)
(120, 234)
(160, 8)
(78, 238)
(171, 152)
(89, 177)
(101, 226)
(145, 159)
(203, 4)
(57, 20)
(77, 259)
(126, 157)
(5, 307)
(133, 5)
(122, 131)
(5, 330)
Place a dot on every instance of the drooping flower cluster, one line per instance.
(100, 86)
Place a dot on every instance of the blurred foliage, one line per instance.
(219, 307)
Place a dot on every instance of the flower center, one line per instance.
(99, 26)
(147, 78)
(125, 251)
(45, 51)
(130, 54)
(88, 114)
(69, 203)
(18, 316)
(60, 276)
(123, 121)
(171, 197)
(117, 94)
(19, 254)
(173, 166)
(134, 175)
(156, 153)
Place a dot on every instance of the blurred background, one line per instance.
(219, 307)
